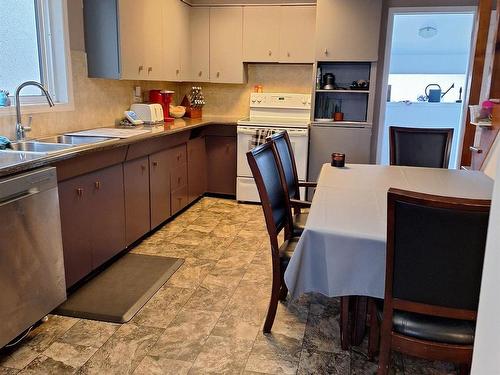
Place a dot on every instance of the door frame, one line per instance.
(387, 64)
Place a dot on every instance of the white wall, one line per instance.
(486, 358)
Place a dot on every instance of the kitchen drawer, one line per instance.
(179, 199)
(178, 177)
(178, 156)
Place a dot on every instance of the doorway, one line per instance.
(428, 53)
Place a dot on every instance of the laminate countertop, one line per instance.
(15, 162)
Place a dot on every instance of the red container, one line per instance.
(164, 98)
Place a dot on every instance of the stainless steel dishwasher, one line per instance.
(31, 256)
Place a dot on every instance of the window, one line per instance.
(33, 46)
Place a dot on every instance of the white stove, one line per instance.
(272, 112)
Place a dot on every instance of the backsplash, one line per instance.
(100, 102)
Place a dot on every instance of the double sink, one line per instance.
(54, 144)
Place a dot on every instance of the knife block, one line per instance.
(192, 112)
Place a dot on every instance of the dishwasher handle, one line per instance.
(27, 184)
(18, 196)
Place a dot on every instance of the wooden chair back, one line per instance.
(287, 157)
(420, 147)
(268, 174)
(435, 253)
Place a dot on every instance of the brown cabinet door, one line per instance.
(197, 168)
(179, 199)
(159, 186)
(221, 164)
(75, 226)
(136, 184)
(107, 213)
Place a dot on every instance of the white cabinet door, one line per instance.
(132, 49)
(226, 45)
(261, 33)
(348, 30)
(153, 38)
(171, 50)
(297, 28)
(200, 44)
(184, 36)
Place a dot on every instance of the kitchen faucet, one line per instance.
(20, 128)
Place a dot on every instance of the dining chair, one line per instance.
(268, 174)
(287, 158)
(420, 147)
(434, 261)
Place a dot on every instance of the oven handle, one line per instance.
(291, 132)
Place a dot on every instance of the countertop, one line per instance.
(11, 163)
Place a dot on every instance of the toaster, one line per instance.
(149, 113)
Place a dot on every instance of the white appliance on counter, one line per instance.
(275, 112)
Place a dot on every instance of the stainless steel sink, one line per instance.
(39, 147)
(74, 140)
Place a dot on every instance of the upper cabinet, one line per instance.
(297, 27)
(348, 30)
(261, 33)
(279, 34)
(226, 45)
(200, 44)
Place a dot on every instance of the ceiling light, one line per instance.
(427, 32)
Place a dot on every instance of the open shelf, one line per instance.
(345, 91)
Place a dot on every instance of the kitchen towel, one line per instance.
(260, 135)
(4, 143)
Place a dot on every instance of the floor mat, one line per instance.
(121, 290)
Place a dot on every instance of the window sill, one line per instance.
(27, 109)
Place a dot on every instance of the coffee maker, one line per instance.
(163, 97)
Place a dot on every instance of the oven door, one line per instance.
(298, 137)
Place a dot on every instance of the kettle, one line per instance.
(328, 81)
(433, 95)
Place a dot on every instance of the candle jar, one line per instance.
(338, 160)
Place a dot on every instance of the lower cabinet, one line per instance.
(136, 181)
(197, 168)
(92, 219)
(221, 164)
(159, 184)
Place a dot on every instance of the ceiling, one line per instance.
(453, 34)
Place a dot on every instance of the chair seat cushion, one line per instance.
(432, 328)
(299, 223)
(286, 251)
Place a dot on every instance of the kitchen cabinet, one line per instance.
(226, 45)
(200, 44)
(136, 181)
(123, 39)
(176, 50)
(221, 164)
(197, 168)
(261, 33)
(348, 30)
(92, 220)
(159, 185)
(297, 28)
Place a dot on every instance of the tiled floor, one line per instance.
(208, 317)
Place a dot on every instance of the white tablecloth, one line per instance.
(342, 249)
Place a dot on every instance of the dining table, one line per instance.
(341, 252)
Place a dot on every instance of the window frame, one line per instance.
(55, 61)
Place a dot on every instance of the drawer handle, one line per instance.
(178, 157)
(476, 149)
(150, 69)
(326, 51)
(178, 180)
(79, 192)
(143, 167)
(155, 164)
(97, 185)
(141, 68)
(200, 73)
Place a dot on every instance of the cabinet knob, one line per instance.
(288, 54)
(97, 185)
(177, 71)
(218, 74)
(178, 180)
(476, 149)
(79, 192)
(141, 68)
(227, 149)
(155, 164)
(326, 51)
(150, 69)
(178, 157)
(143, 167)
(270, 53)
(200, 73)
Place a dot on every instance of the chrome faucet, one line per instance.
(20, 128)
